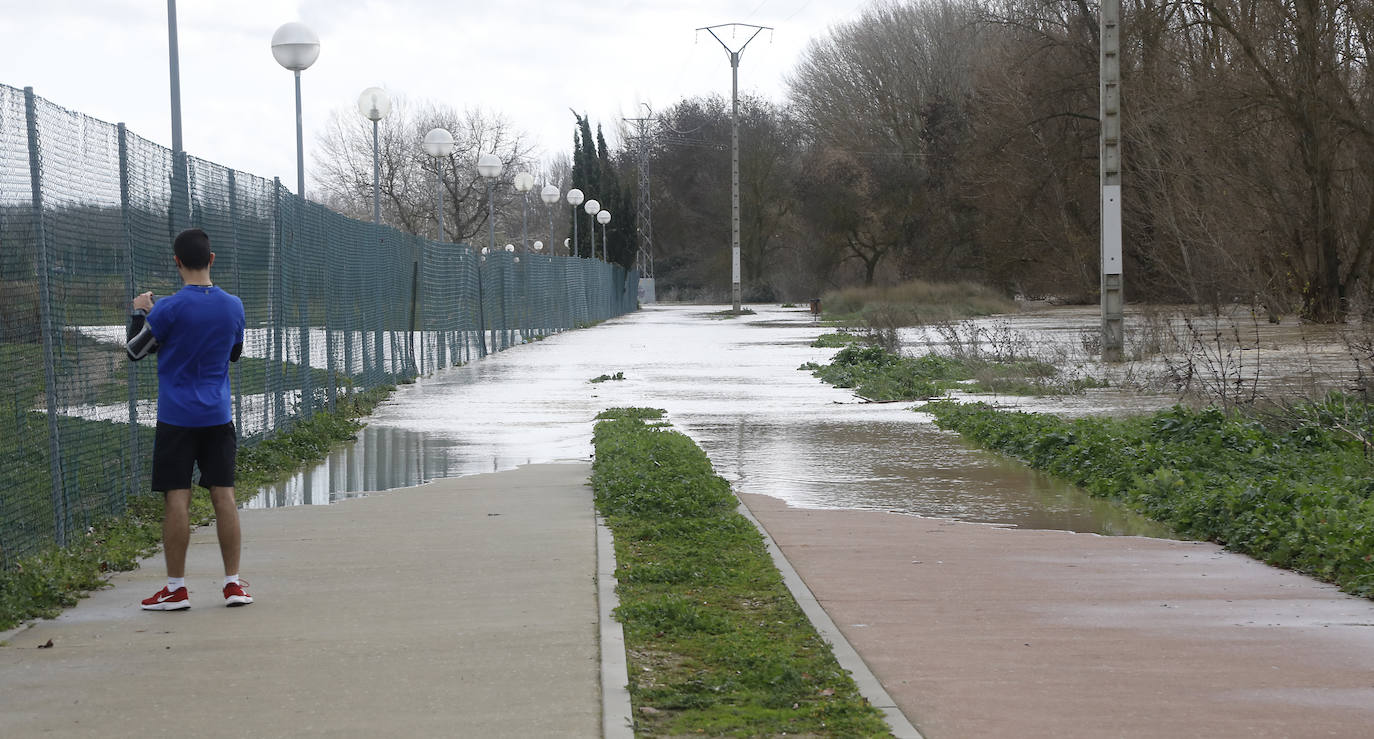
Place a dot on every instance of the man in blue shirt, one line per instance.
(195, 333)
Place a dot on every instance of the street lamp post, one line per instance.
(439, 144)
(375, 104)
(592, 207)
(489, 167)
(574, 199)
(524, 182)
(550, 195)
(296, 47)
(604, 217)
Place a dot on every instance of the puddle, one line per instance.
(734, 387)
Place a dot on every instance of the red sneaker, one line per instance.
(178, 600)
(235, 595)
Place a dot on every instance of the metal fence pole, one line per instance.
(238, 258)
(46, 323)
(277, 366)
(130, 285)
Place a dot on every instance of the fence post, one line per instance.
(238, 257)
(277, 365)
(130, 284)
(46, 322)
(305, 379)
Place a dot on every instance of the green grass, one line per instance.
(604, 378)
(1294, 490)
(837, 340)
(877, 374)
(715, 641)
(912, 303)
(39, 586)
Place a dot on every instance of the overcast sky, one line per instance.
(530, 61)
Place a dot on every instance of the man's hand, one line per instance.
(144, 302)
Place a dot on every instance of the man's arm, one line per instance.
(236, 352)
(139, 340)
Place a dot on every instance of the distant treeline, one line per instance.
(958, 139)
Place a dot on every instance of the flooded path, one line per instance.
(730, 384)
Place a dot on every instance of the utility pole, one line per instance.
(643, 213)
(1109, 95)
(734, 142)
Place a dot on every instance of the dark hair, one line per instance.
(192, 247)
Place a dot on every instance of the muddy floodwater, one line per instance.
(734, 387)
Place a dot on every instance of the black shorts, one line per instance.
(177, 449)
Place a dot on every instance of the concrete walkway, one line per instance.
(466, 607)
(980, 631)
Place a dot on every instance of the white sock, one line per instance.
(175, 583)
(231, 579)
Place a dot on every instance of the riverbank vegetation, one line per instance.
(1292, 488)
(878, 374)
(41, 585)
(912, 304)
(716, 643)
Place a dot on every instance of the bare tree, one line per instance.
(408, 174)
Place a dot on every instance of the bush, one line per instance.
(913, 303)
(1300, 497)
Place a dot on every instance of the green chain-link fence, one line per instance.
(88, 212)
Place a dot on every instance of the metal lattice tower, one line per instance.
(644, 222)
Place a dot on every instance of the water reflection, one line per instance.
(382, 458)
(734, 387)
(829, 464)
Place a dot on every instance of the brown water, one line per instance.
(733, 386)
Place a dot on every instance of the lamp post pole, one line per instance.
(550, 195)
(574, 199)
(375, 104)
(489, 167)
(296, 47)
(524, 182)
(604, 217)
(438, 143)
(592, 207)
(180, 196)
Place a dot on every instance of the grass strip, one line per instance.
(41, 585)
(716, 644)
(877, 374)
(1294, 490)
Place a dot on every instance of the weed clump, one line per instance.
(881, 375)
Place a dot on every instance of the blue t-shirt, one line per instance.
(196, 329)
